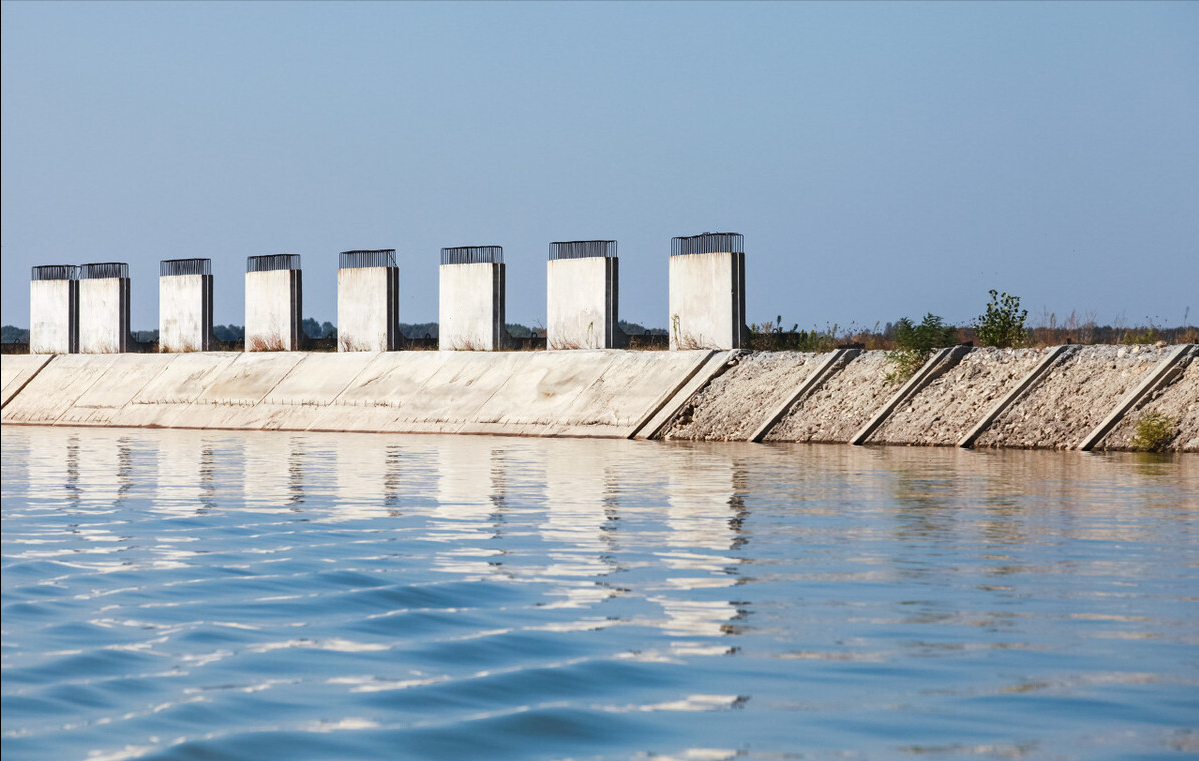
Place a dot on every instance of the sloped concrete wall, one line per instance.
(600, 393)
(613, 393)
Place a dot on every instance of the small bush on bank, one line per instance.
(1154, 432)
(1002, 325)
(916, 343)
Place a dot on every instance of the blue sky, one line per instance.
(881, 160)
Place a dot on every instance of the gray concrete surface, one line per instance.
(707, 301)
(185, 313)
(53, 316)
(274, 310)
(582, 303)
(471, 307)
(104, 315)
(367, 309)
(17, 370)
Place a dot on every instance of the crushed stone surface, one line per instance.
(735, 403)
(1179, 400)
(1072, 398)
(839, 408)
(945, 410)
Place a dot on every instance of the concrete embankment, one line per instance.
(1064, 397)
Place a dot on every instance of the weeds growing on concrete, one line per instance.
(1155, 431)
(916, 343)
(1002, 325)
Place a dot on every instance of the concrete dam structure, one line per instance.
(1067, 397)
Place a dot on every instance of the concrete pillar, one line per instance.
(104, 308)
(273, 303)
(367, 301)
(54, 309)
(582, 279)
(707, 292)
(471, 305)
(185, 305)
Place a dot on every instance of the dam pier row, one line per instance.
(1065, 397)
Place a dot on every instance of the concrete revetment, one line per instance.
(471, 299)
(582, 283)
(185, 306)
(104, 308)
(707, 292)
(274, 292)
(54, 309)
(367, 306)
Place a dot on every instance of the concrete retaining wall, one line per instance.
(697, 395)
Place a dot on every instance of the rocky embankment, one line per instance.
(1067, 402)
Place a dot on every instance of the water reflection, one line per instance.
(525, 591)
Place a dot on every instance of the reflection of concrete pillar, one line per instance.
(367, 293)
(273, 303)
(273, 471)
(707, 292)
(104, 308)
(54, 309)
(185, 305)
(471, 305)
(581, 295)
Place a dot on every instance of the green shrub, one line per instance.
(1154, 432)
(1002, 325)
(916, 343)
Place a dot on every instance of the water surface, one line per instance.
(230, 595)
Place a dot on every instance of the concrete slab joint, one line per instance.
(935, 367)
(1158, 378)
(1034, 376)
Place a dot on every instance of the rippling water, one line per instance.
(201, 595)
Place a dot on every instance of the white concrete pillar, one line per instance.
(471, 304)
(707, 292)
(367, 301)
(54, 309)
(104, 308)
(274, 293)
(185, 305)
(582, 283)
